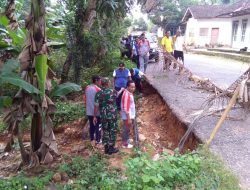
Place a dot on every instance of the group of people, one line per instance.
(137, 48)
(174, 47)
(105, 103)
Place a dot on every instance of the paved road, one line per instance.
(221, 71)
(232, 142)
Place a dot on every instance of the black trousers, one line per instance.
(179, 54)
(95, 130)
(138, 84)
(118, 99)
(135, 59)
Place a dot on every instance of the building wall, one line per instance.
(239, 43)
(198, 31)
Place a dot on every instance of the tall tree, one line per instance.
(140, 24)
(86, 13)
(164, 12)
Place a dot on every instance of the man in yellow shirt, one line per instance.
(167, 46)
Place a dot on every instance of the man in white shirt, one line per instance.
(178, 46)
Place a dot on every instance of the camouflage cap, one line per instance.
(105, 81)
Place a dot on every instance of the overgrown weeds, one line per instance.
(195, 170)
(23, 182)
(67, 112)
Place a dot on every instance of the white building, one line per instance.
(227, 25)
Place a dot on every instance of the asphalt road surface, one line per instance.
(221, 71)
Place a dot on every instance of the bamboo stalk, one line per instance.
(224, 115)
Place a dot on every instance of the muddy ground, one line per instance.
(159, 131)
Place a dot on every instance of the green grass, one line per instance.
(22, 182)
(67, 112)
(198, 170)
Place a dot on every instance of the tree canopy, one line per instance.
(140, 24)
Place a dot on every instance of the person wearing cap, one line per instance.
(167, 46)
(105, 101)
(121, 76)
(89, 99)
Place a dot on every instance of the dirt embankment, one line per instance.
(159, 129)
(159, 125)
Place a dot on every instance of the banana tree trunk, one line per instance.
(36, 131)
(34, 69)
(39, 52)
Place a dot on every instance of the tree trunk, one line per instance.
(85, 20)
(24, 154)
(33, 61)
(36, 131)
(66, 68)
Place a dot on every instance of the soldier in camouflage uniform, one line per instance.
(105, 100)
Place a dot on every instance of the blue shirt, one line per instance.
(137, 74)
(121, 77)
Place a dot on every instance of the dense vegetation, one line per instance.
(83, 38)
(197, 170)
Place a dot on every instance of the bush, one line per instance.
(67, 112)
(197, 170)
(23, 182)
(92, 173)
(56, 60)
(167, 173)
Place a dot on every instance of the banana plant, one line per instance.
(8, 75)
(10, 40)
(35, 70)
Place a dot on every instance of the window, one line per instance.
(203, 31)
(243, 29)
(235, 29)
(191, 32)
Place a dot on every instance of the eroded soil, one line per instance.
(159, 131)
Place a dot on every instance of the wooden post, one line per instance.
(224, 115)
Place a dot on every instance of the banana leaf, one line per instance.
(10, 66)
(3, 31)
(41, 70)
(3, 45)
(17, 81)
(5, 101)
(4, 21)
(18, 36)
(64, 89)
